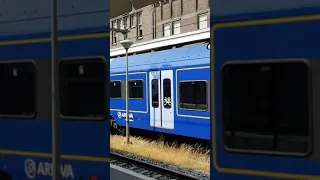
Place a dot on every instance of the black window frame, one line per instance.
(170, 82)
(35, 113)
(158, 97)
(309, 112)
(207, 101)
(76, 60)
(120, 89)
(143, 86)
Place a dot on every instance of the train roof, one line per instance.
(189, 55)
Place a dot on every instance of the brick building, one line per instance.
(161, 20)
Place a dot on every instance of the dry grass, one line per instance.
(185, 156)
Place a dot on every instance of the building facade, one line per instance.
(163, 20)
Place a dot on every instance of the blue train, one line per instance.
(265, 64)
(25, 78)
(169, 91)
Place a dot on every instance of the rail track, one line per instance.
(147, 169)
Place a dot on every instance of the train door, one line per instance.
(161, 101)
(167, 99)
(155, 103)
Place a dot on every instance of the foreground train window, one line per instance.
(82, 89)
(136, 89)
(115, 89)
(193, 95)
(18, 92)
(265, 108)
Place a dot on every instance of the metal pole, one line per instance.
(54, 87)
(127, 101)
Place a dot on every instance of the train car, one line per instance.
(265, 71)
(168, 91)
(25, 77)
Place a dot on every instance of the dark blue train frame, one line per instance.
(189, 63)
(283, 32)
(26, 142)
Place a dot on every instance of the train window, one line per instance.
(18, 92)
(82, 89)
(135, 89)
(265, 108)
(115, 89)
(155, 93)
(193, 95)
(167, 93)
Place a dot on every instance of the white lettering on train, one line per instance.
(124, 115)
(34, 169)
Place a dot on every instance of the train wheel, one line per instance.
(122, 131)
(115, 126)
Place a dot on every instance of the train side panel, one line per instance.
(280, 44)
(138, 105)
(160, 109)
(197, 113)
(26, 143)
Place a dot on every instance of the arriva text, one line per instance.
(124, 115)
(34, 169)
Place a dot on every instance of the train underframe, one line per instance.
(169, 139)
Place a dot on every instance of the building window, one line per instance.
(121, 24)
(176, 27)
(18, 92)
(202, 21)
(125, 22)
(155, 93)
(114, 24)
(139, 25)
(193, 95)
(114, 34)
(125, 26)
(132, 21)
(115, 89)
(166, 30)
(136, 89)
(167, 93)
(122, 27)
(82, 88)
(114, 37)
(265, 108)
